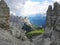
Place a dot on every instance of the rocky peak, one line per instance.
(2, 0)
(14, 35)
(49, 14)
(56, 4)
(56, 8)
(52, 14)
(26, 20)
(53, 24)
(50, 8)
(16, 20)
(4, 15)
(3, 4)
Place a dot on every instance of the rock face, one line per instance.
(7, 39)
(27, 25)
(4, 15)
(10, 34)
(53, 23)
(49, 18)
(53, 15)
(26, 21)
(17, 21)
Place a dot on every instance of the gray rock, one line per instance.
(53, 26)
(49, 18)
(4, 15)
(27, 43)
(10, 32)
(41, 40)
(17, 21)
(8, 39)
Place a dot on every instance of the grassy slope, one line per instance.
(35, 32)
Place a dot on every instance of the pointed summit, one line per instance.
(3, 4)
(5, 14)
(2, 0)
(50, 8)
(56, 4)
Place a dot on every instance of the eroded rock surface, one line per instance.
(10, 33)
(54, 27)
(4, 15)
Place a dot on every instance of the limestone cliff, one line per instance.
(28, 27)
(53, 24)
(17, 21)
(10, 34)
(26, 21)
(4, 15)
(52, 15)
(13, 37)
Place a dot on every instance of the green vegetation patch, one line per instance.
(35, 32)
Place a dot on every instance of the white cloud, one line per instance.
(35, 7)
(18, 6)
(12, 13)
(15, 6)
(29, 8)
(56, 1)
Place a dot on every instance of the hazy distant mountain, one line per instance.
(17, 20)
(21, 22)
(38, 20)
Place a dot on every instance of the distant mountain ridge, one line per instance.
(38, 19)
(15, 20)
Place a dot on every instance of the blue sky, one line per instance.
(41, 0)
(37, 0)
(29, 7)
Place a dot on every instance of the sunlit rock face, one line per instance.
(26, 21)
(4, 15)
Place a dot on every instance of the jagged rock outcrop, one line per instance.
(27, 25)
(54, 21)
(10, 34)
(4, 15)
(17, 21)
(7, 39)
(26, 21)
(52, 15)
(49, 18)
(21, 23)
